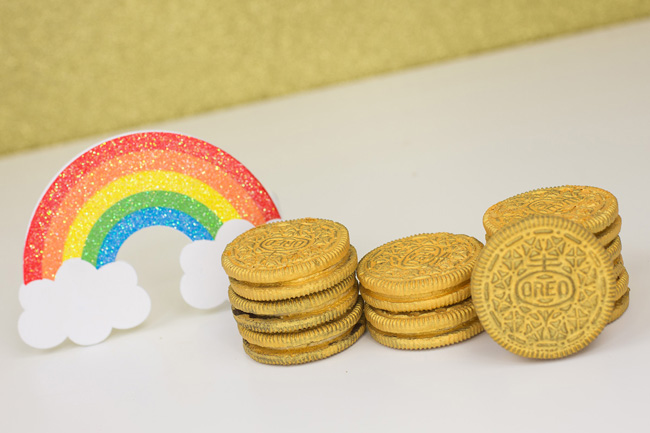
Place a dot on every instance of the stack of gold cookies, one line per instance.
(293, 291)
(593, 208)
(417, 290)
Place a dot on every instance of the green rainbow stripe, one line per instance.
(137, 202)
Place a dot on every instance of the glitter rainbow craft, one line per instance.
(136, 181)
(72, 280)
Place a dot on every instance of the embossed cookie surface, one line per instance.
(591, 207)
(286, 250)
(543, 287)
(419, 264)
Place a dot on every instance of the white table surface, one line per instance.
(424, 150)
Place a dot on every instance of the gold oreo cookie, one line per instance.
(421, 322)
(620, 307)
(543, 287)
(286, 250)
(304, 304)
(297, 322)
(614, 248)
(622, 283)
(303, 355)
(605, 237)
(299, 287)
(419, 264)
(619, 267)
(610, 233)
(593, 208)
(427, 341)
(309, 337)
(427, 301)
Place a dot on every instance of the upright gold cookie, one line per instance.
(286, 250)
(593, 208)
(543, 287)
(419, 264)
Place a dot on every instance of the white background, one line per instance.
(424, 150)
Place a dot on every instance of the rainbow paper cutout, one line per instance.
(135, 181)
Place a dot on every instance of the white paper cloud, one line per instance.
(205, 284)
(82, 303)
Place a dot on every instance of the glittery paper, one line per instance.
(86, 192)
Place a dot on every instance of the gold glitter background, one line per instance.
(70, 68)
